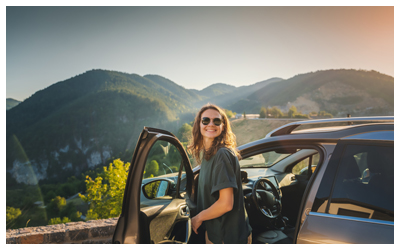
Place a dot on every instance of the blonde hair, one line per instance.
(226, 139)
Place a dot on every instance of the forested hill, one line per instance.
(77, 89)
(339, 92)
(80, 122)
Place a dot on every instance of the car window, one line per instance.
(266, 159)
(364, 186)
(164, 159)
(162, 162)
(301, 168)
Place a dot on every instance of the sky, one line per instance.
(193, 46)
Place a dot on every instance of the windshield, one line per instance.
(263, 160)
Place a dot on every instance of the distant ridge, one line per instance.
(341, 91)
(180, 91)
(11, 103)
(217, 89)
(226, 95)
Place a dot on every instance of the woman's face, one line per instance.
(210, 131)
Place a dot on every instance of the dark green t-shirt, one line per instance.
(223, 171)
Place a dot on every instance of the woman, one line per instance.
(220, 202)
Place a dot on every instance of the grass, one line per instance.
(248, 130)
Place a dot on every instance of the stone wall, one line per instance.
(90, 232)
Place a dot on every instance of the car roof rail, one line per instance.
(288, 128)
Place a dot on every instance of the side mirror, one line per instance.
(365, 173)
(158, 188)
(365, 176)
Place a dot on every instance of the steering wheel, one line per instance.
(269, 204)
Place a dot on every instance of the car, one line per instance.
(314, 181)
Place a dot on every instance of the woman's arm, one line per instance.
(223, 205)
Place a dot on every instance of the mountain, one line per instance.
(216, 90)
(225, 95)
(181, 93)
(80, 123)
(11, 103)
(339, 92)
(77, 124)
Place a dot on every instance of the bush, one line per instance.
(55, 206)
(152, 169)
(300, 116)
(105, 193)
(12, 213)
(263, 112)
(57, 220)
(229, 113)
(292, 112)
(185, 132)
(49, 196)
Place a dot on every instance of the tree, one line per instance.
(55, 206)
(105, 193)
(59, 208)
(301, 116)
(12, 213)
(275, 112)
(151, 189)
(152, 169)
(49, 196)
(292, 111)
(263, 112)
(185, 132)
(325, 114)
(229, 113)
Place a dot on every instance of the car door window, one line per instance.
(301, 168)
(162, 163)
(364, 186)
(163, 159)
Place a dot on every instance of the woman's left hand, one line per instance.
(196, 223)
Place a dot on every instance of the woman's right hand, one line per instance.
(196, 223)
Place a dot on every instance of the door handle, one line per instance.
(184, 211)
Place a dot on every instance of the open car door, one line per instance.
(156, 205)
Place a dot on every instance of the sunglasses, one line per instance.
(206, 121)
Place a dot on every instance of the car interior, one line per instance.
(273, 185)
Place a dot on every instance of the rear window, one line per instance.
(364, 186)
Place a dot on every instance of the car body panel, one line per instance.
(335, 229)
(377, 135)
(323, 227)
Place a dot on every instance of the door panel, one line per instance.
(162, 225)
(167, 222)
(163, 216)
(335, 229)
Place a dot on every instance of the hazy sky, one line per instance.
(193, 46)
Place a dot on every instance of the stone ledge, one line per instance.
(89, 232)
